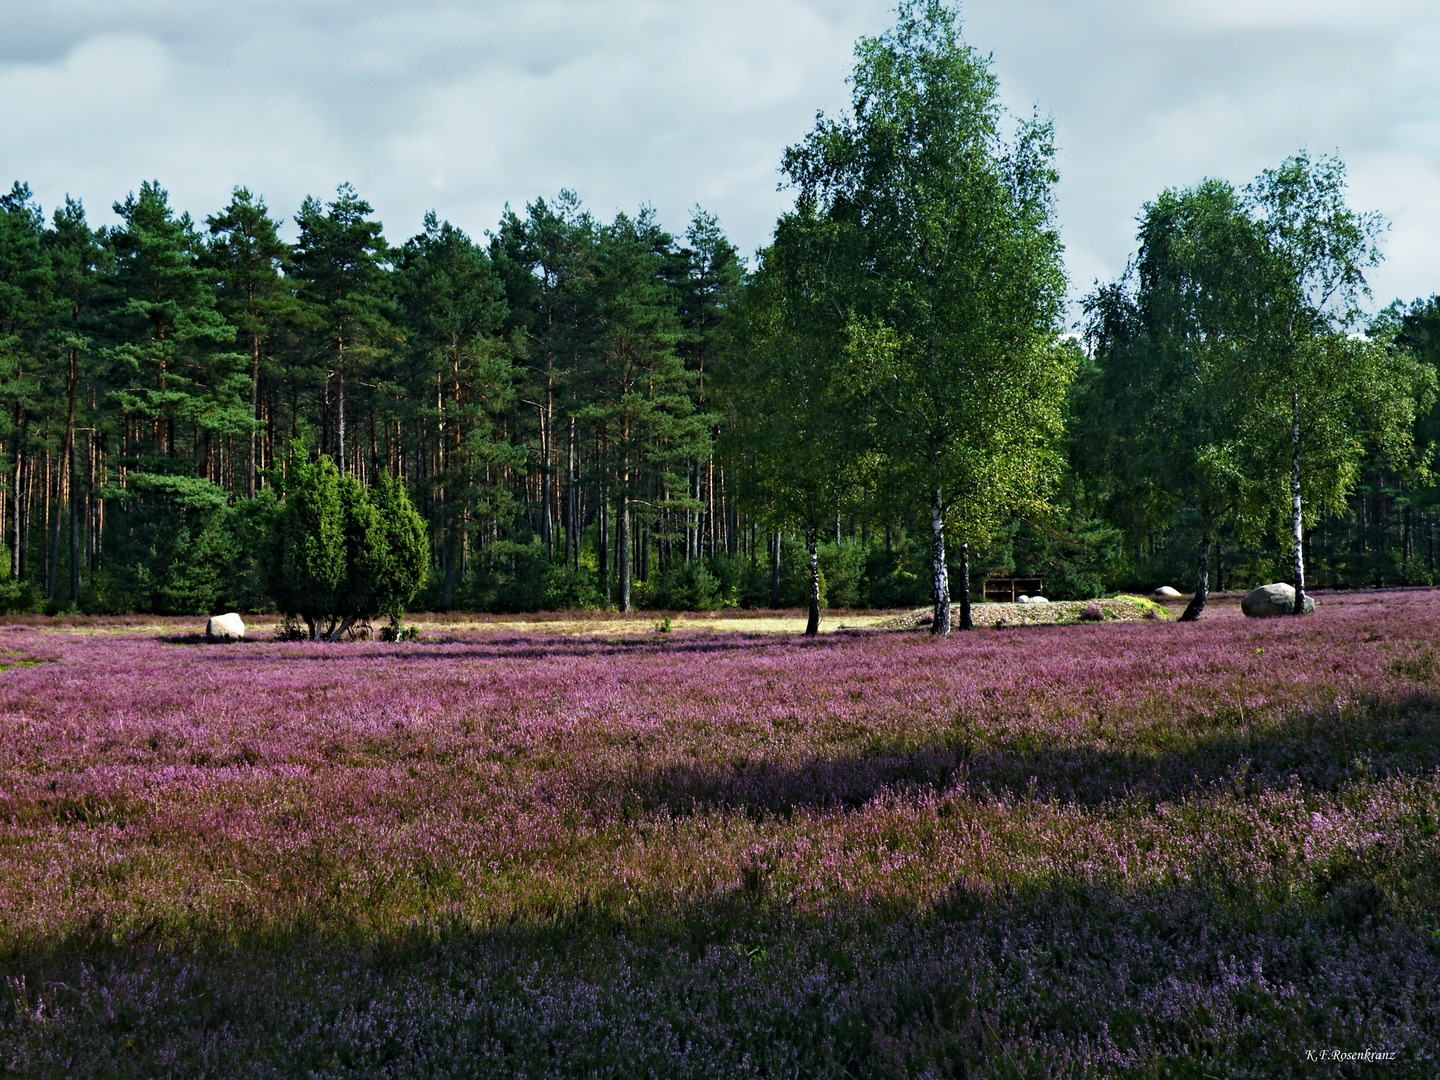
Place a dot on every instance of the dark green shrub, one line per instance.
(686, 587)
(197, 580)
(343, 554)
(567, 589)
(897, 578)
(843, 570)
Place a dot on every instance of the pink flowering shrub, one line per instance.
(1052, 851)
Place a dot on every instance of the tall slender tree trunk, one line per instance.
(1202, 581)
(447, 590)
(572, 527)
(75, 512)
(1405, 546)
(15, 494)
(546, 478)
(48, 494)
(340, 417)
(251, 464)
(65, 482)
(812, 550)
(22, 518)
(325, 446)
(966, 621)
(1297, 517)
(622, 548)
(775, 551)
(940, 575)
(602, 513)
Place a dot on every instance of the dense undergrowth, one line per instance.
(1140, 849)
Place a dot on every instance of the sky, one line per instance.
(464, 107)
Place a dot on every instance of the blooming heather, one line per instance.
(1104, 849)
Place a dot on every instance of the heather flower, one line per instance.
(1091, 848)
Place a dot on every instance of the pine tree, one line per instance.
(340, 261)
(174, 359)
(457, 376)
(78, 258)
(248, 259)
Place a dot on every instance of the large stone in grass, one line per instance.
(1165, 592)
(1276, 599)
(1032, 600)
(228, 627)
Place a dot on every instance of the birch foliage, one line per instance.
(953, 285)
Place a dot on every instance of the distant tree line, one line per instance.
(886, 406)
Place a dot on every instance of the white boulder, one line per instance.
(1276, 599)
(1031, 600)
(1165, 592)
(229, 627)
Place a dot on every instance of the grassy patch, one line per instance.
(1056, 613)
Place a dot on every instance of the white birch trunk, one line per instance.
(940, 576)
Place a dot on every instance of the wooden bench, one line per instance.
(1006, 590)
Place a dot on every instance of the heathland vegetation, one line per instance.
(1114, 849)
(592, 413)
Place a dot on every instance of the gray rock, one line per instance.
(1276, 599)
(228, 627)
(1165, 592)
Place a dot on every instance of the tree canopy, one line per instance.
(597, 411)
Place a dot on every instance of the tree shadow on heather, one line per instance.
(1371, 738)
(1053, 976)
(1049, 980)
(536, 647)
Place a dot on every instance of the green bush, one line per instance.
(687, 587)
(343, 554)
(515, 576)
(18, 597)
(844, 573)
(197, 579)
(567, 589)
(898, 578)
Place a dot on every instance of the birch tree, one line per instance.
(1176, 345)
(1320, 250)
(795, 413)
(957, 290)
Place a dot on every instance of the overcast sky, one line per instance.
(463, 107)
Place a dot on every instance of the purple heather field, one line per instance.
(1119, 849)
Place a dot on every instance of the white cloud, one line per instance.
(466, 106)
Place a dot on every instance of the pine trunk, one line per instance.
(64, 485)
(812, 549)
(622, 549)
(250, 463)
(602, 532)
(775, 571)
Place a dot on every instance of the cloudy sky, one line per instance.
(466, 106)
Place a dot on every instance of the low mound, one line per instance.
(1056, 613)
